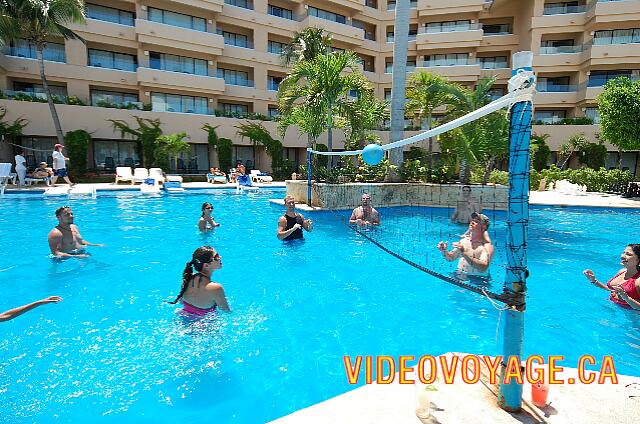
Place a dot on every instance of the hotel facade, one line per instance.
(189, 63)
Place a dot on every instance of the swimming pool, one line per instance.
(113, 352)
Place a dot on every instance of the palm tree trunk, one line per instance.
(399, 83)
(464, 171)
(52, 106)
(330, 146)
(487, 170)
(429, 117)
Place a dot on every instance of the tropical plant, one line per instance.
(224, 146)
(491, 141)
(306, 119)
(145, 136)
(169, 146)
(259, 135)
(426, 92)
(320, 86)
(540, 151)
(306, 45)
(594, 155)
(11, 130)
(37, 21)
(77, 144)
(359, 117)
(619, 109)
(412, 170)
(574, 144)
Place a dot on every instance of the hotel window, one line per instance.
(593, 113)
(276, 47)
(234, 109)
(112, 98)
(173, 63)
(273, 112)
(496, 29)
(53, 52)
(450, 26)
(273, 82)
(177, 19)
(280, 12)
(496, 62)
(162, 102)
(618, 36)
(233, 39)
(600, 78)
(451, 59)
(329, 16)
(28, 87)
(112, 60)
(233, 77)
(550, 116)
(245, 4)
(387, 94)
(109, 14)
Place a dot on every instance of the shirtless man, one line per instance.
(290, 225)
(465, 206)
(475, 251)
(365, 214)
(65, 239)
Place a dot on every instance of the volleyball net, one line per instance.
(419, 222)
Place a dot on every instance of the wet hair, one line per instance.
(466, 186)
(61, 209)
(204, 205)
(636, 251)
(202, 255)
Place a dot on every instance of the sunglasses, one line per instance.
(216, 258)
(209, 207)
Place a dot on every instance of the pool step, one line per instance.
(71, 191)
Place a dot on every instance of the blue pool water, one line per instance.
(112, 351)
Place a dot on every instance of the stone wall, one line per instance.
(347, 196)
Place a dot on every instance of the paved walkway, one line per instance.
(590, 199)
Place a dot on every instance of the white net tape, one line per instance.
(521, 89)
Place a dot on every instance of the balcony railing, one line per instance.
(450, 28)
(245, 4)
(239, 43)
(164, 107)
(458, 62)
(389, 68)
(562, 49)
(564, 9)
(238, 82)
(391, 38)
(413, 4)
(33, 96)
(552, 88)
(494, 65)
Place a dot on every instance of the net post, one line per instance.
(309, 176)
(510, 393)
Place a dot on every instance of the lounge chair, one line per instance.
(157, 174)
(244, 183)
(139, 175)
(212, 179)
(260, 177)
(32, 180)
(5, 175)
(123, 173)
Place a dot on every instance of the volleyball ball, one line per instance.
(372, 154)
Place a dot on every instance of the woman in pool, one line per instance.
(625, 285)
(206, 221)
(199, 294)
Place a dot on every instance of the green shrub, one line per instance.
(413, 171)
(77, 145)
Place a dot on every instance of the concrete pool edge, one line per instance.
(460, 403)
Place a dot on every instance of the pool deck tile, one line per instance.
(477, 403)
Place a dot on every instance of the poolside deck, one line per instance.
(477, 403)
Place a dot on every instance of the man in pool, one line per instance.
(475, 251)
(365, 214)
(465, 206)
(290, 225)
(65, 239)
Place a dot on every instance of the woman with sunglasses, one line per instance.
(199, 294)
(206, 222)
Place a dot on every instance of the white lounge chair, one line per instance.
(31, 180)
(5, 175)
(139, 175)
(258, 176)
(212, 179)
(123, 173)
(157, 174)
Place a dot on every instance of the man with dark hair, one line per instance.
(65, 239)
(465, 206)
(290, 225)
(475, 251)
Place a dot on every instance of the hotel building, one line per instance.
(195, 62)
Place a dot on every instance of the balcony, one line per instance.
(456, 71)
(341, 32)
(559, 56)
(449, 7)
(556, 95)
(354, 5)
(180, 38)
(563, 9)
(214, 6)
(506, 41)
(244, 4)
(613, 11)
(457, 37)
(156, 78)
(96, 30)
(615, 54)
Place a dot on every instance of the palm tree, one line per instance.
(168, 146)
(321, 86)
(398, 84)
(360, 116)
(37, 21)
(306, 45)
(575, 143)
(426, 92)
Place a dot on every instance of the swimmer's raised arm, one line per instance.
(15, 312)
